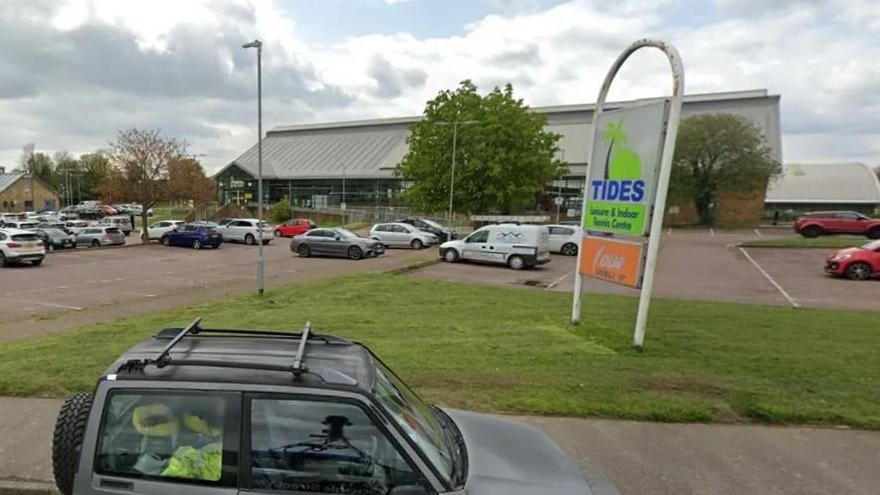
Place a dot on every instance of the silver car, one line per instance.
(246, 230)
(98, 236)
(338, 242)
(402, 235)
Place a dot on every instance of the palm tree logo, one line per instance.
(621, 162)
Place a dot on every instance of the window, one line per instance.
(2, 236)
(112, 230)
(479, 236)
(322, 447)
(561, 231)
(318, 233)
(189, 436)
(190, 228)
(381, 228)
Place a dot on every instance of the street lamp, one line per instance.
(454, 123)
(259, 46)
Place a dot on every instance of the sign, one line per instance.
(248, 195)
(558, 200)
(341, 206)
(623, 169)
(571, 213)
(612, 260)
(236, 184)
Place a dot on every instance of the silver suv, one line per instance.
(18, 246)
(100, 235)
(246, 230)
(123, 223)
(402, 235)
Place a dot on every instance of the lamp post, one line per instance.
(454, 123)
(259, 46)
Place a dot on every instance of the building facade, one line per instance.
(20, 192)
(805, 187)
(319, 165)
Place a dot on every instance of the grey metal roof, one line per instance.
(373, 148)
(825, 183)
(7, 180)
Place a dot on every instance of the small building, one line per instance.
(804, 187)
(22, 192)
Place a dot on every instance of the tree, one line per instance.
(280, 211)
(717, 153)
(37, 164)
(189, 182)
(92, 171)
(504, 157)
(139, 162)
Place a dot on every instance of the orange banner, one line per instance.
(615, 261)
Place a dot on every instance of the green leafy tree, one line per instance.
(716, 153)
(504, 157)
(39, 165)
(93, 170)
(280, 211)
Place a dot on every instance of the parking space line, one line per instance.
(758, 232)
(782, 291)
(711, 231)
(560, 279)
(51, 305)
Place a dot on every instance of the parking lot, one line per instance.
(91, 285)
(700, 264)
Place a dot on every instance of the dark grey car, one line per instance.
(56, 238)
(337, 242)
(227, 412)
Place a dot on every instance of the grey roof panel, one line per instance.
(825, 183)
(7, 180)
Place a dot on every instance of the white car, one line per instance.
(514, 245)
(565, 239)
(156, 230)
(20, 224)
(246, 230)
(18, 246)
(402, 235)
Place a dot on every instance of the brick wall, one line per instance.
(733, 209)
(14, 198)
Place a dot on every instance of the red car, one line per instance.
(294, 227)
(837, 222)
(858, 263)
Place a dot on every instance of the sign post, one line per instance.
(630, 161)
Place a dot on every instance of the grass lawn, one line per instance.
(826, 242)
(512, 350)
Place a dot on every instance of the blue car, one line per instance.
(194, 236)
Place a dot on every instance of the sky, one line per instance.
(74, 72)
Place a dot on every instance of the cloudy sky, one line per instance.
(72, 72)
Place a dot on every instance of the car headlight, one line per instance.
(841, 257)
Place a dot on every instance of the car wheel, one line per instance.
(3, 261)
(569, 249)
(811, 231)
(874, 233)
(355, 253)
(250, 240)
(303, 251)
(417, 244)
(51, 247)
(858, 271)
(450, 256)
(197, 244)
(516, 262)
(278, 233)
(96, 243)
(166, 241)
(67, 439)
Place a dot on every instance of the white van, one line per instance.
(517, 246)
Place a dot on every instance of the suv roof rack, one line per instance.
(298, 368)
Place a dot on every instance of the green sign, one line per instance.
(622, 181)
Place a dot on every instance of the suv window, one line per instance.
(479, 236)
(190, 228)
(847, 216)
(189, 435)
(322, 447)
(561, 231)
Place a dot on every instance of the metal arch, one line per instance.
(673, 118)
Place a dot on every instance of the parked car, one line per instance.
(121, 222)
(157, 229)
(223, 221)
(187, 410)
(856, 263)
(52, 225)
(294, 227)
(442, 233)
(565, 239)
(194, 236)
(402, 235)
(75, 226)
(20, 224)
(56, 238)
(337, 242)
(246, 230)
(20, 246)
(98, 236)
(514, 245)
(837, 222)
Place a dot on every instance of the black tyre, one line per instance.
(67, 439)
(37, 262)
(3, 261)
(516, 262)
(874, 233)
(197, 244)
(166, 241)
(569, 249)
(96, 243)
(355, 253)
(858, 271)
(250, 240)
(417, 244)
(303, 251)
(450, 256)
(278, 233)
(811, 231)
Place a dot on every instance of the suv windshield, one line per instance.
(415, 418)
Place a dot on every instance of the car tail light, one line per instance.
(13, 245)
